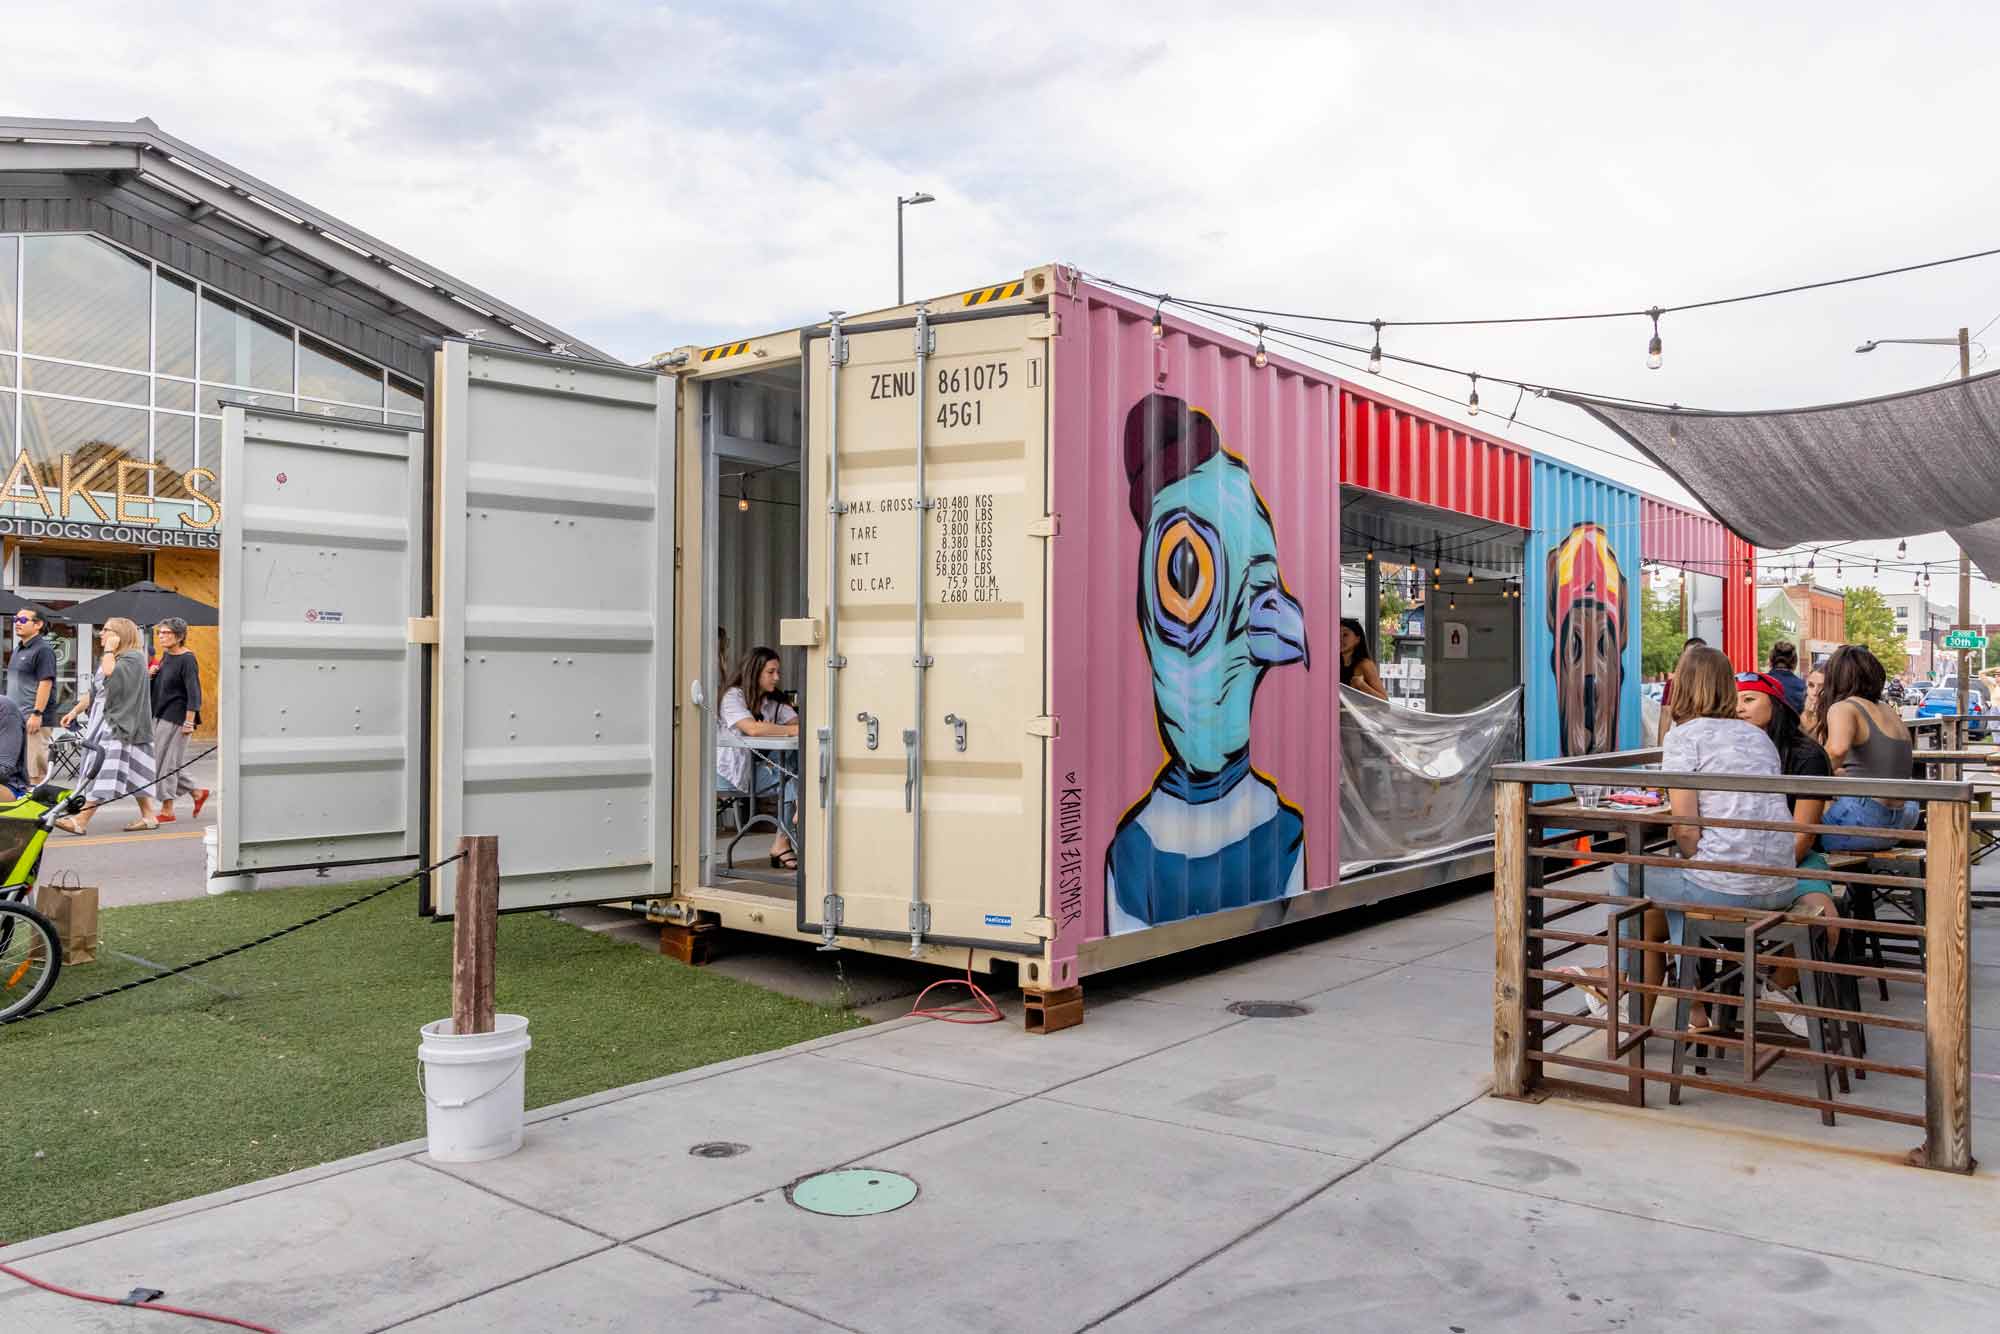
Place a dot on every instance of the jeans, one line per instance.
(1671, 882)
(1868, 813)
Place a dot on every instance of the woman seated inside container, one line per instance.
(751, 707)
(1864, 738)
(1357, 664)
(1762, 701)
(1709, 738)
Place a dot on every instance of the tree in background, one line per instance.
(1871, 622)
(1663, 633)
(1393, 606)
(1769, 631)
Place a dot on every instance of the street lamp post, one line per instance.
(1964, 343)
(902, 202)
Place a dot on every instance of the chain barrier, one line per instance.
(233, 949)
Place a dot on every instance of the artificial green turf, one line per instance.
(305, 1049)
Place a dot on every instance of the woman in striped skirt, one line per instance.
(117, 709)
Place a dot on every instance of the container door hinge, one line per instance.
(836, 349)
(920, 920)
(1049, 525)
(1045, 326)
(1047, 725)
(422, 630)
(925, 341)
(831, 909)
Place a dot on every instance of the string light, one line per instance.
(1452, 603)
(1472, 402)
(1902, 548)
(1653, 348)
(1375, 353)
(1159, 323)
(1261, 358)
(742, 496)
(1371, 553)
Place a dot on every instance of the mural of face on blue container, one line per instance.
(1214, 616)
(1587, 618)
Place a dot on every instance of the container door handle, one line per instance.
(825, 764)
(957, 725)
(909, 766)
(874, 726)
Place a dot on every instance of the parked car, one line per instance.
(1942, 702)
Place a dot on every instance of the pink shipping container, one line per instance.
(1724, 564)
(1091, 715)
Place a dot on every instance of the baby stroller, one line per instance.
(30, 950)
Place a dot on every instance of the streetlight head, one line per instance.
(1866, 347)
(921, 197)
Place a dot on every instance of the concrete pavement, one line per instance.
(1169, 1165)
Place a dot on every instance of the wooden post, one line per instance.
(474, 930)
(1512, 1077)
(1947, 990)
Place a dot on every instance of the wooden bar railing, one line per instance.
(1535, 850)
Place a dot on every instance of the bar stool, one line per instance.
(1803, 942)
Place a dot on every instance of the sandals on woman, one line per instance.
(139, 825)
(69, 825)
(1593, 998)
(788, 860)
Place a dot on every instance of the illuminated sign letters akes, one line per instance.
(127, 484)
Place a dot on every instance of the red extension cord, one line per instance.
(981, 1011)
(137, 1306)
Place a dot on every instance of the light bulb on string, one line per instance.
(1902, 548)
(1452, 603)
(1375, 353)
(1472, 400)
(1261, 358)
(1371, 555)
(1653, 348)
(1159, 322)
(742, 499)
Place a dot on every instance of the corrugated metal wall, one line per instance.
(1583, 557)
(1115, 706)
(1675, 535)
(1393, 448)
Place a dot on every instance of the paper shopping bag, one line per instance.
(72, 909)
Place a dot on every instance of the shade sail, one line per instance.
(1880, 467)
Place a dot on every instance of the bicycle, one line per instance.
(30, 949)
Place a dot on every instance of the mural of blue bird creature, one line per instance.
(1215, 616)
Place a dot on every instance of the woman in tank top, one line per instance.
(1864, 738)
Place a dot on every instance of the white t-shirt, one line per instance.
(1732, 746)
(732, 766)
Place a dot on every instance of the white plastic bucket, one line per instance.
(221, 884)
(475, 1089)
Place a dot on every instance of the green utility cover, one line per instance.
(854, 1192)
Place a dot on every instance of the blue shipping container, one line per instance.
(1581, 608)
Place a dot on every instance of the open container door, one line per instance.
(322, 523)
(555, 577)
(925, 741)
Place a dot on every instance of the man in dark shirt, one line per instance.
(1784, 669)
(31, 684)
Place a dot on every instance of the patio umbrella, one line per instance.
(145, 603)
(11, 602)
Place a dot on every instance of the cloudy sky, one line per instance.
(647, 176)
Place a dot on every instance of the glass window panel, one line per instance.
(340, 410)
(405, 397)
(175, 394)
(7, 429)
(87, 432)
(82, 381)
(239, 346)
(405, 419)
(212, 398)
(85, 300)
(209, 455)
(9, 250)
(327, 372)
(173, 450)
(6, 372)
(105, 570)
(173, 324)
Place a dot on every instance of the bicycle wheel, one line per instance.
(30, 959)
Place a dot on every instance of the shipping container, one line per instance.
(1052, 582)
(1720, 565)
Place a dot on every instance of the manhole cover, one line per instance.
(718, 1148)
(1268, 1009)
(854, 1192)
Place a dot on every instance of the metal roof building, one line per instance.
(135, 185)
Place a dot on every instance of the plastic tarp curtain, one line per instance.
(1414, 785)
(1838, 472)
